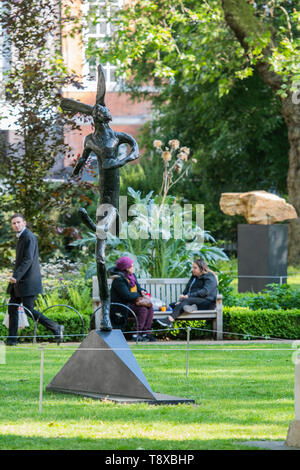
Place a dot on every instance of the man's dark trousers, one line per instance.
(28, 284)
(28, 303)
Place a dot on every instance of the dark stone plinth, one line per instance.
(104, 367)
(262, 252)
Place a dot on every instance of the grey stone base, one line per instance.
(104, 367)
(159, 398)
(269, 445)
(293, 435)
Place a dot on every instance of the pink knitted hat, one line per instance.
(124, 263)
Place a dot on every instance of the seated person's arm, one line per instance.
(123, 292)
(207, 289)
(185, 292)
(142, 291)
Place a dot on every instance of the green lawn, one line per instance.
(242, 392)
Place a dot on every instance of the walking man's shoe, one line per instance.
(60, 334)
(9, 342)
(190, 308)
(143, 338)
(150, 338)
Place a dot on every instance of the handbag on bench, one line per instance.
(143, 302)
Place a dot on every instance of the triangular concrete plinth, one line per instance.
(104, 367)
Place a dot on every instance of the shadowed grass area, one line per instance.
(242, 392)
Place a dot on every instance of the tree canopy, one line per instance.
(163, 39)
(223, 74)
(206, 91)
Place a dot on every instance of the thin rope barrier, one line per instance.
(169, 329)
(266, 337)
(275, 338)
(158, 349)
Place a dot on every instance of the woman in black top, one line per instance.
(200, 293)
(125, 289)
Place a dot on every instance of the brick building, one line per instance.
(127, 116)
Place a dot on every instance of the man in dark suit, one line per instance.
(26, 282)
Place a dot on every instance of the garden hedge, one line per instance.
(71, 321)
(244, 323)
(278, 323)
(238, 323)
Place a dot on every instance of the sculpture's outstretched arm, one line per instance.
(86, 219)
(82, 161)
(113, 163)
(128, 139)
(73, 106)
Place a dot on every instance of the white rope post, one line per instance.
(297, 392)
(293, 435)
(98, 316)
(41, 378)
(34, 332)
(187, 349)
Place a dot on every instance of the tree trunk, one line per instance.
(239, 16)
(291, 113)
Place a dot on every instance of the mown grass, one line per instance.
(242, 392)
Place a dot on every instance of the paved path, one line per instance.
(269, 445)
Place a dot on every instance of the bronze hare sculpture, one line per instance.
(104, 143)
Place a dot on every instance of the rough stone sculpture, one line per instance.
(104, 142)
(258, 207)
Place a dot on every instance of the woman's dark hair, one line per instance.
(203, 267)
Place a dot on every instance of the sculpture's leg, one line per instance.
(104, 223)
(105, 323)
(106, 215)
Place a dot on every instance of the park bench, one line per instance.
(168, 290)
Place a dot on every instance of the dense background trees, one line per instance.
(221, 76)
(33, 89)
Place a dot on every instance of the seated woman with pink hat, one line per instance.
(125, 289)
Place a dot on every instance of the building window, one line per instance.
(98, 32)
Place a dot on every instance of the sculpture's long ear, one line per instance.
(101, 88)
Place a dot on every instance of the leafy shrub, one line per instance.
(277, 323)
(158, 253)
(200, 329)
(239, 323)
(224, 286)
(275, 296)
(242, 323)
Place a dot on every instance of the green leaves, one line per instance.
(159, 252)
(162, 42)
(33, 83)
(166, 40)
